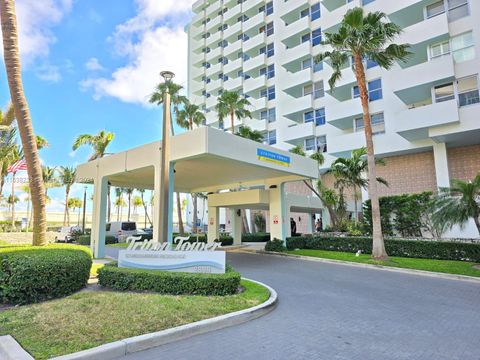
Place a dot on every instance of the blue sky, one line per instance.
(90, 65)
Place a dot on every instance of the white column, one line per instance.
(441, 165)
(157, 221)
(213, 223)
(279, 221)
(236, 223)
(97, 237)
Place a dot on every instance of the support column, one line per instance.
(97, 237)
(310, 223)
(171, 185)
(157, 216)
(441, 165)
(213, 223)
(236, 223)
(279, 222)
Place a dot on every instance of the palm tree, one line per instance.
(48, 174)
(247, 133)
(232, 104)
(177, 100)
(458, 203)
(349, 173)
(41, 142)
(8, 151)
(118, 200)
(129, 192)
(99, 144)
(136, 202)
(120, 204)
(363, 37)
(75, 203)
(67, 178)
(145, 208)
(190, 115)
(22, 114)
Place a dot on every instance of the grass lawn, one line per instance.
(120, 245)
(442, 266)
(88, 319)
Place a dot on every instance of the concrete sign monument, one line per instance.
(186, 257)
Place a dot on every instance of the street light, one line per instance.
(165, 165)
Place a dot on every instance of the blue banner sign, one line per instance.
(269, 156)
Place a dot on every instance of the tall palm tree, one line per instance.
(22, 114)
(145, 206)
(190, 115)
(232, 104)
(118, 200)
(129, 192)
(120, 204)
(8, 150)
(349, 173)
(247, 133)
(99, 143)
(136, 202)
(48, 174)
(363, 37)
(41, 142)
(67, 178)
(177, 100)
(458, 203)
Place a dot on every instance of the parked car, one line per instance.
(67, 233)
(121, 229)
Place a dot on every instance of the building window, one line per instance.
(313, 11)
(317, 66)
(444, 92)
(440, 49)
(269, 8)
(307, 90)
(320, 117)
(308, 116)
(269, 50)
(457, 9)
(322, 144)
(316, 37)
(377, 121)
(463, 47)
(268, 71)
(468, 93)
(243, 37)
(271, 137)
(374, 90)
(306, 37)
(270, 29)
(269, 93)
(223, 44)
(268, 115)
(365, 2)
(310, 144)
(318, 90)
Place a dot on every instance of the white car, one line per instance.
(121, 229)
(65, 234)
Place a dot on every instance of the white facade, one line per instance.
(430, 100)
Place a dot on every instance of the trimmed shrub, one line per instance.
(275, 245)
(169, 282)
(85, 240)
(395, 247)
(31, 274)
(256, 237)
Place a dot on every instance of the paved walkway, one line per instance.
(339, 312)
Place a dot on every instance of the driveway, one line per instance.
(328, 311)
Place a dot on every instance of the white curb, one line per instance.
(437, 275)
(11, 350)
(123, 347)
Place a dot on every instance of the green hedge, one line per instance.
(85, 240)
(169, 282)
(256, 237)
(275, 245)
(31, 274)
(395, 247)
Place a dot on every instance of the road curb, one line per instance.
(127, 346)
(438, 275)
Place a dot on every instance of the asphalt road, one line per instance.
(330, 311)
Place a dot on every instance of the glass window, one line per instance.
(463, 47)
(129, 226)
(271, 71)
(305, 37)
(444, 92)
(435, 9)
(270, 50)
(305, 12)
(271, 93)
(315, 12)
(306, 64)
(439, 49)
(375, 90)
(272, 137)
(271, 115)
(316, 37)
(457, 9)
(270, 29)
(307, 90)
(322, 144)
(319, 90)
(308, 117)
(320, 117)
(310, 144)
(371, 64)
(468, 91)
(365, 2)
(269, 8)
(317, 66)
(377, 121)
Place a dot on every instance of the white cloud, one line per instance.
(93, 65)
(48, 73)
(152, 41)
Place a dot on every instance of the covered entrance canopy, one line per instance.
(204, 160)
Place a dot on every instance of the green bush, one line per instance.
(31, 274)
(85, 240)
(395, 247)
(275, 245)
(169, 282)
(256, 237)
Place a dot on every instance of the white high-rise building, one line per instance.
(425, 113)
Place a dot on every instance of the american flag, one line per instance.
(19, 165)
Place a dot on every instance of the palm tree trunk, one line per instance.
(129, 205)
(13, 201)
(378, 246)
(109, 204)
(232, 122)
(355, 203)
(24, 121)
(181, 229)
(195, 215)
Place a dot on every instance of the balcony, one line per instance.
(422, 31)
(252, 5)
(296, 52)
(198, 6)
(293, 83)
(341, 114)
(233, 67)
(254, 84)
(213, 85)
(414, 124)
(214, 8)
(290, 6)
(198, 19)
(232, 14)
(254, 43)
(258, 104)
(414, 84)
(233, 84)
(252, 24)
(254, 63)
(331, 21)
(232, 49)
(213, 40)
(298, 106)
(295, 29)
(299, 132)
(213, 70)
(232, 32)
(214, 54)
(212, 25)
